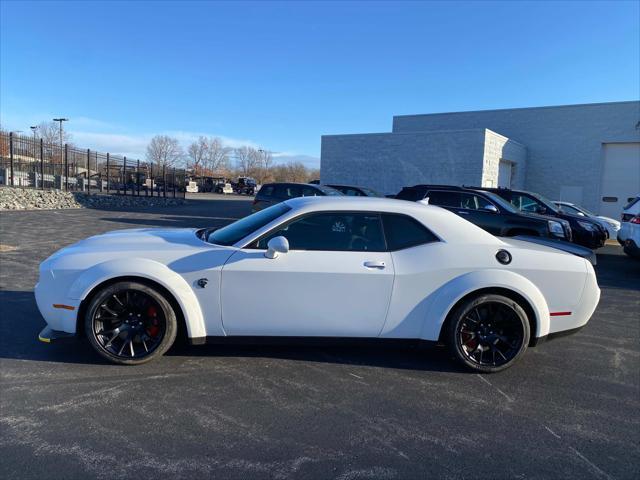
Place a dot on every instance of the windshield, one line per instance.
(574, 210)
(370, 192)
(546, 202)
(501, 201)
(237, 230)
(328, 190)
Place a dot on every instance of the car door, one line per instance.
(335, 281)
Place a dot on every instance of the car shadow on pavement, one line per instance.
(616, 270)
(21, 322)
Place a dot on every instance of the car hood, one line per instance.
(548, 244)
(608, 220)
(142, 239)
(160, 244)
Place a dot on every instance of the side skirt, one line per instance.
(314, 341)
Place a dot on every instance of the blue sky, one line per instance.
(279, 75)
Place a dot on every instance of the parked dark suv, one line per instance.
(488, 211)
(586, 232)
(272, 193)
(353, 191)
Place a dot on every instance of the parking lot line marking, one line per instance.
(552, 432)
(357, 376)
(591, 464)
(492, 385)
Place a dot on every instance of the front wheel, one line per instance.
(488, 333)
(130, 323)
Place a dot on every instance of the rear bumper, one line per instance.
(551, 336)
(631, 248)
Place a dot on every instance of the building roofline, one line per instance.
(429, 132)
(520, 108)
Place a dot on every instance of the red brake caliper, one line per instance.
(152, 314)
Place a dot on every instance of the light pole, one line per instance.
(34, 129)
(60, 120)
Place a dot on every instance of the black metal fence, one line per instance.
(29, 162)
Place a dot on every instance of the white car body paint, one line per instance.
(320, 293)
(611, 225)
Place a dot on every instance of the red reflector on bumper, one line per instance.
(65, 307)
(558, 314)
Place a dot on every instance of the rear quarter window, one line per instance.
(402, 231)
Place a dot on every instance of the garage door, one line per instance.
(504, 173)
(620, 177)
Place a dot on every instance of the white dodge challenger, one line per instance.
(320, 267)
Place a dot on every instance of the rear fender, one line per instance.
(151, 270)
(451, 292)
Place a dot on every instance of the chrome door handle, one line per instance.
(379, 265)
(462, 212)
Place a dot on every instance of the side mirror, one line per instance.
(541, 210)
(276, 246)
(490, 208)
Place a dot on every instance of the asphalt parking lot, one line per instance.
(570, 409)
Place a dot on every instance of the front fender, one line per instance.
(151, 270)
(451, 292)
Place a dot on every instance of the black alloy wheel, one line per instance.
(130, 323)
(489, 333)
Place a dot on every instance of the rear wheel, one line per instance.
(130, 323)
(488, 333)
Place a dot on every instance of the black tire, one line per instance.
(130, 323)
(488, 333)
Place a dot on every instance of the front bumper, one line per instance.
(48, 335)
(59, 311)
(588, 239)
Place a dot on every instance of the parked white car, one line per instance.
(225, 188)
(611, 225)
(319, 267)
(631, 232)
(631, 211)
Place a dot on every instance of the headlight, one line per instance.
(556, 228)
(588, 226)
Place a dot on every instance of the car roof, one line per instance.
(445, 224)
(293, 183)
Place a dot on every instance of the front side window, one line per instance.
(403, 232)
(471, 201)
(525, 204)
(331, 231)
(310, 192)
(236, 231)
(286, 192)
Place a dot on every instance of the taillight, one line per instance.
(635, 220)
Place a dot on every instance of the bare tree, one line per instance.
(49, 132)
(266, 159)
(198, 152)
(217, 156)
(247, 159)
(164, 151)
